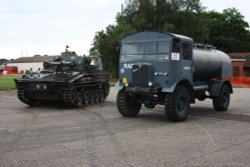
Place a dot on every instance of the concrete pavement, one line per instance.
(54, 135)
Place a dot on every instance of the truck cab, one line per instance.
(159, 68)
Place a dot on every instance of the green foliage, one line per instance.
(228, 31)
(107, 43)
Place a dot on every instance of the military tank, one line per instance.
(76, 80)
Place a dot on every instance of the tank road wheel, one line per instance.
(21, 96)
(86, 97)
(96, 96)
(92, 96)
(73, 98)
(77, 99)
(101, 95)
(221, 102)
(177, 104)
(126, 105)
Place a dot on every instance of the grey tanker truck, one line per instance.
(171, 70)
(75, 80)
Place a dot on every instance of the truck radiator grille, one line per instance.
(141, 75)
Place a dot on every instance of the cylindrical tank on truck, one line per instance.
(210, 63)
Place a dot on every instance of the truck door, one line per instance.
(186, 60)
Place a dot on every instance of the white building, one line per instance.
(34, 63)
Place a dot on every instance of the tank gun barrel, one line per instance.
(60, 63)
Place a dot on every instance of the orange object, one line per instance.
(241, 81)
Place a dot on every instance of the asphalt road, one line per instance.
(57, 136)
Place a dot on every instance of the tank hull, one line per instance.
(34, 91)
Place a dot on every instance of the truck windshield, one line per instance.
(148, 51)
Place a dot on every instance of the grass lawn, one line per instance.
(7, 82)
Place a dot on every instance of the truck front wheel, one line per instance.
(177, 104)
(127, 105)
(221, 102)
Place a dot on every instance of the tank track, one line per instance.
(80, 96)
(22, 98)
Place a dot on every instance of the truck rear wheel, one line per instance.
(221, 102)
(126, 105)
(177, 104)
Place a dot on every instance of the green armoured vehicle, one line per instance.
(76, 80)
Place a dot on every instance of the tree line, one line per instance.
(227, 30)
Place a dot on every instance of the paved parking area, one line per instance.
(53, 135)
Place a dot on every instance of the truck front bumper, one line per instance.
(143, 90)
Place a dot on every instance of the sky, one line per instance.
(45, 27)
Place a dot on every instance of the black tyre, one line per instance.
(177, 104)
(221, 102)
(126, 105)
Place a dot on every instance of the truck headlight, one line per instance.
(150, 83)
(124, 80)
